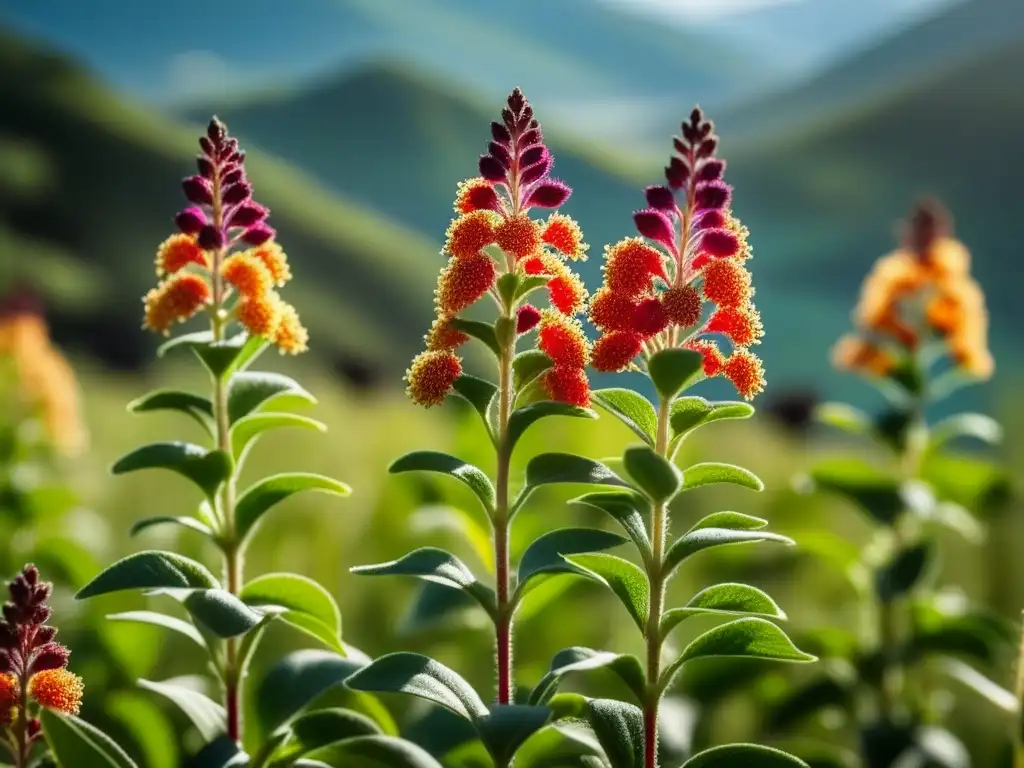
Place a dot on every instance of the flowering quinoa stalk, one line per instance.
(225, 262)
(497, 250)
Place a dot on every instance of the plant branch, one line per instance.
(501, 530)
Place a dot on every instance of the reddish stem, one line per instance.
(651, 735)
(233, 715)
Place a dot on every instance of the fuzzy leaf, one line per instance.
(703, 538)
(259, 498)
(554, 468)
(76, 744)
(305, 605)
(481, 331)
(875, 492)
(216, 610)
(904, 572)
(690, 412)
(654, 475)
(442, 463)
(628, 508)
(673, 370)
(624, 578)
(195, 407)
(477, 392)
(371, 752)
(545, 554)
(321, 728)
(632, 409)
(569, 660)
(747, 755)
(221, 358)
(150, 570)
(523, 418)
(185, 522)
(735, 520)
(249, 391)
(727, 600)
(440, 567)
(557, 746)
(420, 676)
(527, 366)
(207, 469)
(206, 715)
(247, 430)
(711, 472)
(620, 729)
(506, 728)
(161, 620)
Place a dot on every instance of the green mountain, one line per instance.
(92, 189)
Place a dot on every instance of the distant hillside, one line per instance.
(945, 41)
(94, 191)
(822, 202)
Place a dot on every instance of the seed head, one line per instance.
(432, 376)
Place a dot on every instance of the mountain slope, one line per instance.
(944, 41)
(101, 197)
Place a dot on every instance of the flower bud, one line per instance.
(258, 234)
(210, 238)
(247, 214)
(551, 194)
(198, 190)
(191, 220)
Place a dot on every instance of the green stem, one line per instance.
(503, 628)
(1018, 751)
(656, 577)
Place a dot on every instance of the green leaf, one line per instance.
(976, 425)
(320, 729)
(525, 417)
(620, 729)
(632, 409)
(185, 522)
(628, 508)
(440, 567)
(420, 676)
(569, 660)
(844, 417)
(247, 430)
(161, 620)
(554, 468)
(198, 408)
(442, 463)
(653, 474)
(505, 729)
(221, 358)
(728, 599)
(530, 283)
(260, 497)
(980, 684)
(527, 366)
(624, 578)
(904, 572)
(557, 746)
(734, 520)
(222, 752)
(690, 412)
(249, 391)
(711, 472)
(695, 541)
(751, 638)
(207, 716)
(673, 370)
(312, 679)
(477, 392)
(372, 752)
(76, 744)
(481, 331)
(875, 492)
(545, 554)
(149, 570)
(304, 604)
(207, 469)
(215, 610)
(747, 755)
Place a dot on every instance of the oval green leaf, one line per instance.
(479, 393)
(372, 752)
(321, 728)
(249, 391)
(215, 610)
(904, 572)
(185, 522)
(696, 541)
(443, 463)
(150, 570)
(632, 409)
(657, 477)
(628, 508)
(974, 425)
(673, 370)
(206, 715)
(627, 667)
(555, 468)
(557, 746)
(223, 357)
(747, 755)
(545, 554)
(505, 729)
(480, 331)
(76, 744)
(259, 498)
(620, 729)
(747, 638)
(523, 418)
(440, 567)
(622, 577)
(207, 469)
(728, 599)
(303, 603)
(734, 520)
(195, 407)
(711, 472)
(247, 430)
(527, 366)
(420, 676)
(688, 413)
(161, 620)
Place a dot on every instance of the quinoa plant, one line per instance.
(922, 333)
(226, 266)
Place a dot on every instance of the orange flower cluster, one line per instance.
(45, 382)
(920, 292)
(494, 235)
(690, 252)
(224, 252)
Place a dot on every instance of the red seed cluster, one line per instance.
(432, 376)
(690, 252)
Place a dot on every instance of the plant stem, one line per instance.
(501, 531)
(655, 575)
(23, 747)
(1018, 737)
